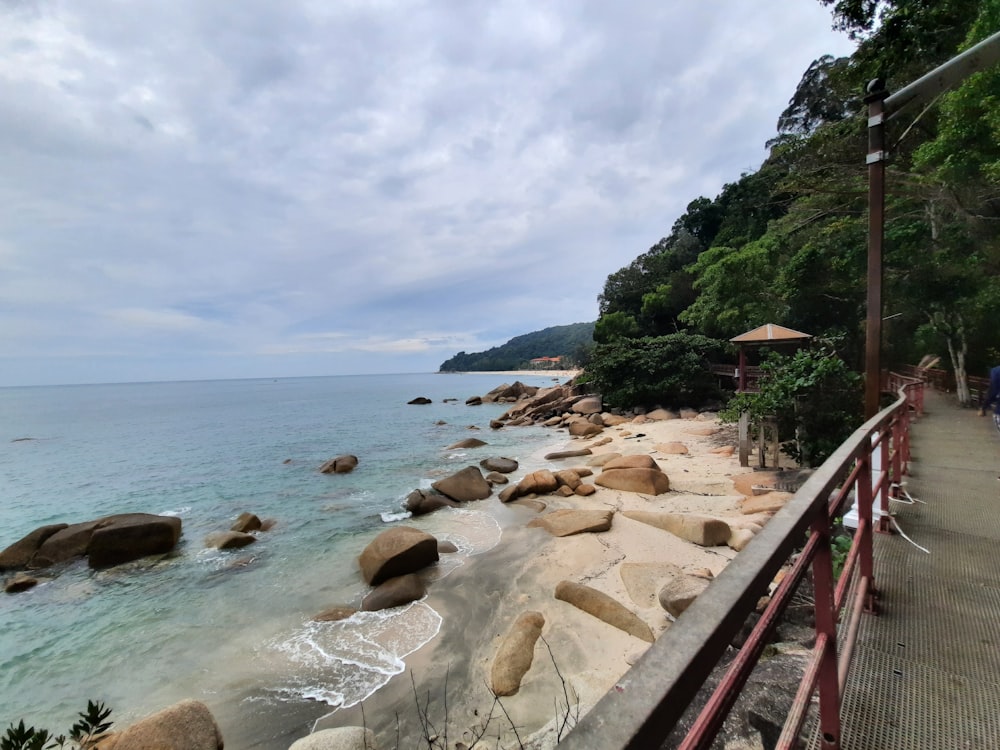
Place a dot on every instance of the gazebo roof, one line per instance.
(769, 333)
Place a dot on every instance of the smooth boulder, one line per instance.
(499, 463)
(123, 538)
(465, 485)
(187, 725)
(19, 554)
(467, 443)
(340, 465)
(704, 531)
(396, 552)
(604, 608)
(395, 592)
(229, 540)
(247, 522)
(421, 502)
(678, 594)
(338, 738)
(515, 654)
(567, 522)
(644, 481)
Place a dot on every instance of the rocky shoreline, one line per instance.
(632, 518)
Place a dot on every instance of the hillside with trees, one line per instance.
(570, 343)
(787, 244)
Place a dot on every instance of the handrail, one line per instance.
(646, 704)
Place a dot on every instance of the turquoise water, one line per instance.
(193, 624)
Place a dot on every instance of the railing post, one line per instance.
(826, 633)
(884, 524)
(863, 488)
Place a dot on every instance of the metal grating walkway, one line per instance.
(926, 671)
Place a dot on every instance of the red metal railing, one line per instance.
(646, 704)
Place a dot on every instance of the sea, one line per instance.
(231, 627)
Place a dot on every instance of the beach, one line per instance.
(578, 657)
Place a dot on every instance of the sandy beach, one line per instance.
(578, 656)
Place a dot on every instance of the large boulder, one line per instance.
(645, 481)
(19, 554)
(539, 482)
(64, 545)
(396, 552)
(420, 401)
(467, 484)
(340, 738)
(19, 582)
(769, 502)
(514, 656)
(187, 725)
(339, 465)
(499, 463)
(603, 607)
(123, 538)
(513, 392)
(575, 453)
(420, 502)
(229, 540)
(395, 592)
(691, 527)
(567, 522)
(632, 461)
(584, 429)
(588, 405)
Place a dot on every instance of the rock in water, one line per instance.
(603, 607)
(513, 658)
(467, 443)
(395, 593)
(19, 554)
(123, 538)
(396, 552)
(246, 523)
(339, 465)
(465, 485)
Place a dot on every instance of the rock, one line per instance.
(588, 405)
(340, 465)
(634, 461)
(677, 595)
(420, 401)
(643, 581)
(604, 608)
(508, 494)
(499, 463)
(567, 522)
(599, 442)
(474, 401)
(515, 653)
(19, 554)
(465, 485)
(446, 547)
(739, 538)
(660, 415)
(334, 614)
(552, 422)
(268, 523)
(536, 505)
(122, 538)
(396, 552)
(645, 481)
(340, 738)
(420, 502)
(495, 477)
(705, 573)
(563, 491)
(18, 583)
(702, 530)
(582, 471)
(467, 443)
(744, 483)
(514, 392)
(770, 502)
(612, 420)
(187, 725)
(496, 424)
(64, 545)
(539, 482)
(246, 522)
(671, 448)
(229, 540)
(395, 592)
(567, 454)
(603, 458)
(703, 431)
(584, 429)
(568, 478)
(725, 450)
(689, 413)
(585, 490)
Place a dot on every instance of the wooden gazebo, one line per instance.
(768, 334)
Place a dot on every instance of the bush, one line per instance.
(92, 724)
(670, 370)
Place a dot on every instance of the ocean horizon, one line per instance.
(231, 628)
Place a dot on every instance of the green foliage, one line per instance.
(814, 396)
(840, 547)
(92, 723)
(615, 325)
(571, 342)
(669, 370)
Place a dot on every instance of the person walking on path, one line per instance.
(993, 394)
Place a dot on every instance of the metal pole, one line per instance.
(876, 212)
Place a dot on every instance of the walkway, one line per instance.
(926, 671)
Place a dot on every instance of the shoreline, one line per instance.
(482, 598)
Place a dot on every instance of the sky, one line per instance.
(203, 189)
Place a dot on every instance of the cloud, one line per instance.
(239, 181)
